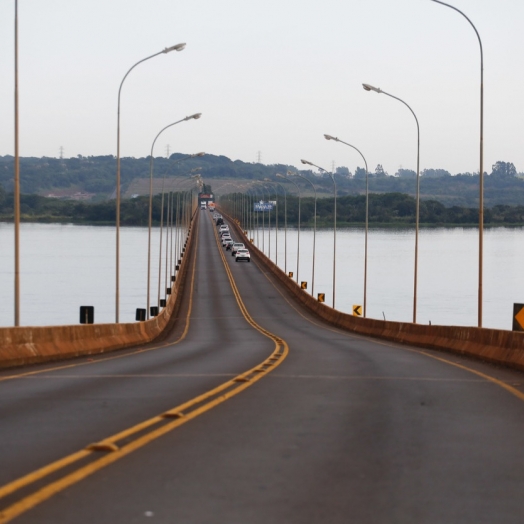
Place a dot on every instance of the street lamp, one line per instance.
(481, 171)
(329, 137)
(368, 87)
(177, 47)
(291, 173)
(167, 236)
(196, 116)
(334, 221)
(298, 236)
(16, 206)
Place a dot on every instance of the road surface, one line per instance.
(303, 422)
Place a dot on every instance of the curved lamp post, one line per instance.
(178, 47)
(481, 170)
(329, 137)
(298, 236)
(367, 87)
(334, 221)
(16, 205)
(296, 173)
(196, 116)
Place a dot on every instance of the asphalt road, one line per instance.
(340, 429)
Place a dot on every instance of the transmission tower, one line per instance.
(333, 166)
(259, 157)
(167, 150)
(61, 153)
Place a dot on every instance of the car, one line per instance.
(236, 246)
(225, 240)
(222, 233)
(242, 254)
(229, 244)
(219, 221)
(223, 227)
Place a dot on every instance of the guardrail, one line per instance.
(36, 344)
(492, 345)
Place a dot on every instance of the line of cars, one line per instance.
(238, 249)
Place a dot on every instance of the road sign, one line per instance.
(303, 285)
(263, 206)
(357, 310)
(518, 317)
(290, 274)
(321, 297)
(87, 314)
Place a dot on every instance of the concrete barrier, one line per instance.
(492, 345)
(30, 345)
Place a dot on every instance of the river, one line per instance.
(66, 266)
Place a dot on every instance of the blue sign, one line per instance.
(263, 206)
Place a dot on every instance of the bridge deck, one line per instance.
(343, 429)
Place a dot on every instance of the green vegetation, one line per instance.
(95, 176)
(445, 199)
(390, 209)
(35, 208)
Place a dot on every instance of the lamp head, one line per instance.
(196, 116)
(178, 47)
(306, 162)
(329, 137)
(368, 87)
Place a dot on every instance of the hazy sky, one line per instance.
(270, 76)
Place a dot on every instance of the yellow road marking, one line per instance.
(251, 376)
(135, 375)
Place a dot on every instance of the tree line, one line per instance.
(96, 175)
(391, 209)
(36, 208)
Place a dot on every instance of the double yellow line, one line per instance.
(122, 444)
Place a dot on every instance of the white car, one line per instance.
(226, 239)
(235, 247)
(242, 254)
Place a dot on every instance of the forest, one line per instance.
(385, 210)
(95, 176)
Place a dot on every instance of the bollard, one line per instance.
(140, 314)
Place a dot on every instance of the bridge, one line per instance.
(247, 401)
